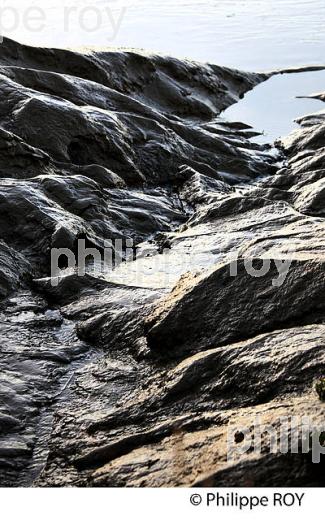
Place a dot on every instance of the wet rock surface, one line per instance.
(133, 376)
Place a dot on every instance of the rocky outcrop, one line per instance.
(135, 375)
(282, 293)
(15, 270)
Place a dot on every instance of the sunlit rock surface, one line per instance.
(132, 376)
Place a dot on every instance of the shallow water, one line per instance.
(249, 34)
(272, 106)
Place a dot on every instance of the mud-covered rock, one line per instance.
(133, 374)
(15, 270)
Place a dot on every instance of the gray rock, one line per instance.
(132, 376)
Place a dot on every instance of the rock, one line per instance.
(19, 159)
(134, 373)
(8, 423)
(14, 449)
(264, 378)
(37, 348)
(310, 199)
(14, 269)
(224, 309)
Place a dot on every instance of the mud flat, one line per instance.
(132, 377)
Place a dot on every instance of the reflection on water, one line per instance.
(272, 106)
(249, 34)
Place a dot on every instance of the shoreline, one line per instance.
(130, 147)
